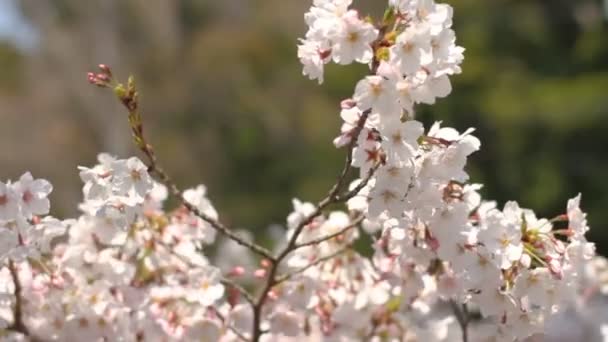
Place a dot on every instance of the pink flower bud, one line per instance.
(273, 295)
(259, 273)
(559, 246)
(236, 271)
(104, 68)
(103, 77)
(324, 54)
(555, 268)
(432, 242)
(233, 296)
(348, 104)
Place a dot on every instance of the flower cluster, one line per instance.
(416, 255)
(24, 233)
(432, 226)
(127, 270)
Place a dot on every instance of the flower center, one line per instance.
(408, 47)
(135, 175)
(388, 196)
(397, 138)
(376, 89)
(27, 196)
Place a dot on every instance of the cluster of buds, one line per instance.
(101, 79)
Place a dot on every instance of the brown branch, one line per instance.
(362, 184)
(217, 225)
(231, 328)
(153, 167)
(324, 203)
(331, 198)
(318, 261)
(225, 281)
(129, 98)
(18, 324)
(248, 297)
(462, 316)
(319, 240)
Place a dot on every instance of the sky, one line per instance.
(13, 26)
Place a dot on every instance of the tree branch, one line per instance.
(462, 316)
(248, 297)
(324, 203)
(18, 324)
(231, 328)
(331, 198)
(129, 98)
(319, 240)
(318, 261)
(355, 191)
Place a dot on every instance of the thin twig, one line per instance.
(331, 198)
(318, 261)
(130, 100)
(321, 239)
(324, 203)
(18, 324)
(230, 283)
(227, 324)
(164, 177)
(225, 281)
(462, 316)
(362, 184)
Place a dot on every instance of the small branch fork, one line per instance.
(129, 98)
(333, 197)
(461, 312)
(18, 324)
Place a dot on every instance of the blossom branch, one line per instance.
(319, 240)
(318, 261)
(129, 98)
(225, 281)
(324, 203)
(229, 283)
(18, 324)
(355, 191)
(331, 198)
(231, 328)
(462, 316)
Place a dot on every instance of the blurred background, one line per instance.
(225, 103)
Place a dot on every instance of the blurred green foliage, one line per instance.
(227, 104)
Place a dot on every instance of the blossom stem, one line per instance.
(462, 316)
(533, 254)
(18, 324)
(227, 324)
(317, 241)
(318, 261)
(331, 198)
(129, 99)
(239, 288)
(352, 193)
